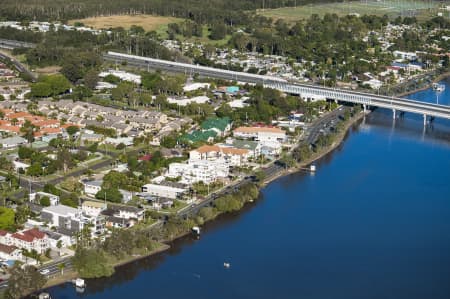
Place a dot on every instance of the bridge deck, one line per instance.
(305, 90)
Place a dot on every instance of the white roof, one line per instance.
(186, 101)
(125, 76)
(195, 86)
(60, 209)
(163, 187)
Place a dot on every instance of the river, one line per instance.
(373, 222)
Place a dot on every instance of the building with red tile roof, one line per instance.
(31, 239)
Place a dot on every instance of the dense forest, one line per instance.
(201, 11)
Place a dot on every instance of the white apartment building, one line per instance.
(411, 56)
(69, 220)
(232, 156)
(60, 215)
(165, 191)
(199, 171)
(262, 134)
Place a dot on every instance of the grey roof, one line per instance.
(13, 140)
(245, 144)
(173, 184)
(125, 208)
(97, 183)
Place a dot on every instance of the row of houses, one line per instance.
(129, 122)
(12, 122)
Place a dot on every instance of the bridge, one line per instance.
(396, 104)
(14, 44)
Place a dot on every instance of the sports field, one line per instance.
(148, 22)
(392, 8)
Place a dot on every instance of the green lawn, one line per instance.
(205, 39)
(392, 8)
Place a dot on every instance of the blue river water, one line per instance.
(373, 222)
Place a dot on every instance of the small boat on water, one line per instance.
(226, 265)
(79, 283)
(196, 231)
(312, 168)
(438, 87)
(44, 296)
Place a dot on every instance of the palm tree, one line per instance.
(59, 245)
(61, 268)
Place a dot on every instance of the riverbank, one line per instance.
(436, 79)
(300, 166)
(72, 274)
(339, 137)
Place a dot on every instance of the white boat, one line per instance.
(312, 168)
(438, 87)
(196, 230)
(44, 296)
(226, 265)
(79, 283)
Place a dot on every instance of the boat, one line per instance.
(196, 231)
(226, 265)
(44, 296)
(79, 283)
(438, 87)
(312, 168)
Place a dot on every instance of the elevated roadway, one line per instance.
(303, 90)
(14, 44)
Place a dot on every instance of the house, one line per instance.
(122, 216)
(12, 142)
(411, 56)
(92, 187)
(85, 137)
(35, 197)
(31, 239)
(117, 222)
(195, 86)
(197, 136)
(165, 190)
(253, 147)
(128, 141)
(161, 203)
(129, 212)
(63, 240)
(219, 125)
(8, 252)
(126, 195)
(20, 165)
(93, 208)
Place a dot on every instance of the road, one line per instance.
(19, 67)
(14, 44)
(52, 268)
